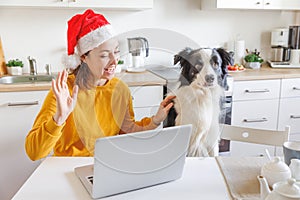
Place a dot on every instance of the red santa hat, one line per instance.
(85, 32)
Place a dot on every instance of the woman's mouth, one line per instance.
(110, 70)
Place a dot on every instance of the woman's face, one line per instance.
(102, 60)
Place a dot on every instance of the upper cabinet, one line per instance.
(252, 4)
(102, 4)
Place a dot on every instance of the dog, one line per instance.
(199, 96)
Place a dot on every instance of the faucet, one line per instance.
(32, 65)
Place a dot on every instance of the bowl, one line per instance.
(291, 149)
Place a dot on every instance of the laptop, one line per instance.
(133, 161)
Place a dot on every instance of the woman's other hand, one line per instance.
(65, 102)
(163, 110)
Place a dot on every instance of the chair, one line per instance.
(255, 136)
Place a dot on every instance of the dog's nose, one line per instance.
(209, 78)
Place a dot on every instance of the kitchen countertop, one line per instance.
(132, 79)
(264, 73)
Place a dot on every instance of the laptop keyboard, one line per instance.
(90, 179)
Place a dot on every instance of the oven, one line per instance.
(171, 75)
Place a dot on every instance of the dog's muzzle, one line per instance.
(209, 79)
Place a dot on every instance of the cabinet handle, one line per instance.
(295, 116)
(24, 103)
(257, 91)
(296, 88)
(268, 3)
(255, 120)
(257, 3)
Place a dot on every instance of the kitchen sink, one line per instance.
(26, 79)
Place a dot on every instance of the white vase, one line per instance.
(14, 70)
(253, 65)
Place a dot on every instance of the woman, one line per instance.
(89, 102)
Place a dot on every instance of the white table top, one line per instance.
(55, 179)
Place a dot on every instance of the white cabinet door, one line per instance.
(282, 4)
(103, 4)
(289, 114)
(290, 87)
(17, 113)
(146, 100)
(255, 90)
(256, 114)
(252, 4)
(34, 3)
(249, 4)
(112, 4)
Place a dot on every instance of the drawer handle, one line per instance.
(296, 88)
(268, 3)
(295, 116)
(24, 103)
(257, 3)
(257, 91)
(255, 120)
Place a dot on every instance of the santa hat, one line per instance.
(85, 32)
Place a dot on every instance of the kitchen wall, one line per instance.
(41, 33)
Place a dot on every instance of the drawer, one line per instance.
(14, 98)
(140, 113)
(290, 87)
(253, 90)
(256, 114)
(145, 96)
(289, 114)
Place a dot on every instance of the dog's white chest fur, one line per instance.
(200, 107)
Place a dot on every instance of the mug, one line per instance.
(291, 150)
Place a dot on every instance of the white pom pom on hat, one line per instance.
(85, 32)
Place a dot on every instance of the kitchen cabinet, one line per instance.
(146, 100)
(17, 113)
(255, 105)
(251, 4)
(102, 4)
(289, 110)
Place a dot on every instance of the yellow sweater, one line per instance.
(109, 106)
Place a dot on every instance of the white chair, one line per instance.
(255, 136)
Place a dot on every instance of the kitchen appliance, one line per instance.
(138, 50)
(279, 44)
(294, 44)
(285, 55)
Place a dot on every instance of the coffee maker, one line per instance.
(279, 44)
(138, 50)
(294, 44)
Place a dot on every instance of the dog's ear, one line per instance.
(227, 58)
(182, 56)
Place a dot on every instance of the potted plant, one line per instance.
(14, 67)
(253, 59)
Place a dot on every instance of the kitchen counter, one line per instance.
(132, 79)
(265, 72)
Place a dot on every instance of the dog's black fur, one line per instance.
(191, 64)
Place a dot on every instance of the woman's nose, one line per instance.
(114, 58)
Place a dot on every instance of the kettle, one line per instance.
(275, 171)
(283, 190)
(139, 50)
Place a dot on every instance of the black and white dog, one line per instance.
(199, 96)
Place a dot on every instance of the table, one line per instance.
(55, 179)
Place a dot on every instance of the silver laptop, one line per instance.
(137, 160)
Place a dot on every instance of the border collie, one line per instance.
(199, 96)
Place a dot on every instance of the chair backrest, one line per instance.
(253, 135)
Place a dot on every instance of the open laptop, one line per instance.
(132, 161)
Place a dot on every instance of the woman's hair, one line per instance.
(83, 76)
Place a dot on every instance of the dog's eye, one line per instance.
(215, 65)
